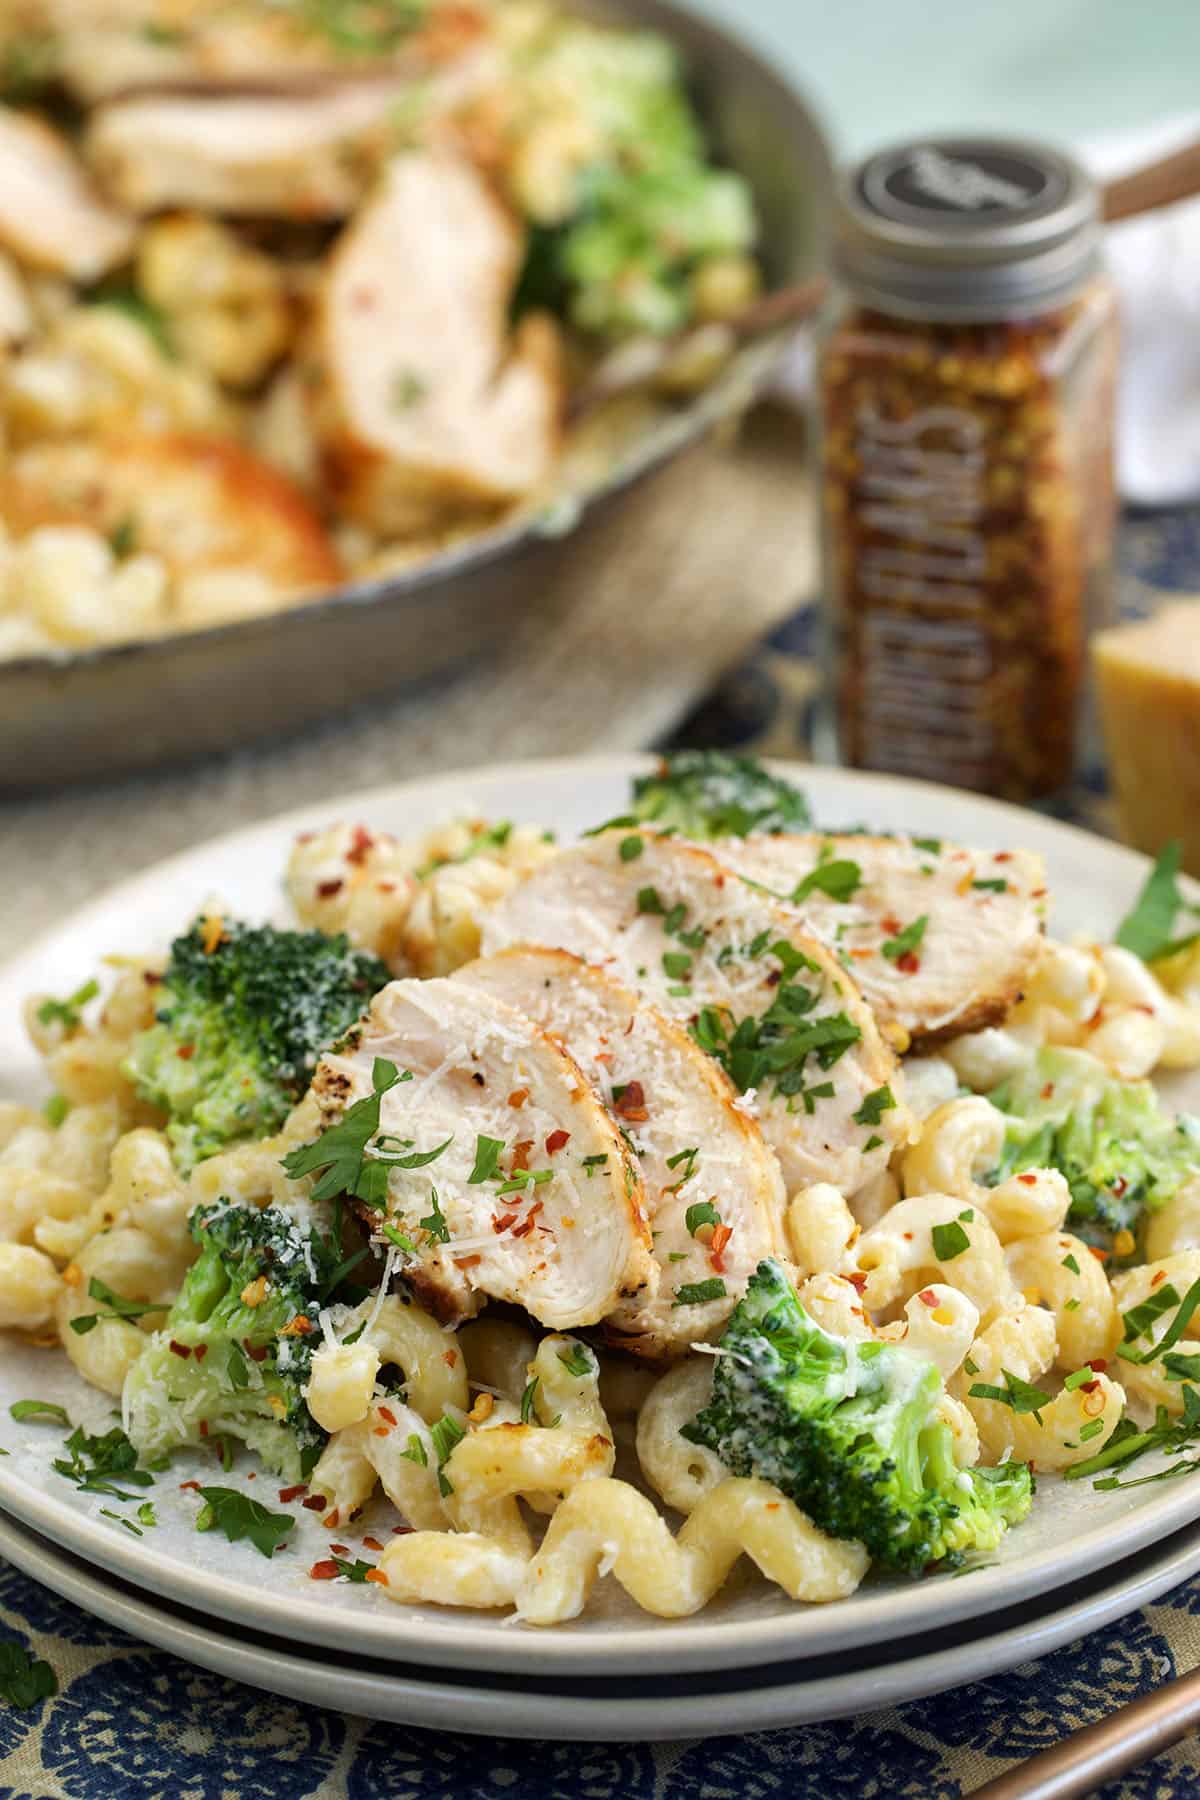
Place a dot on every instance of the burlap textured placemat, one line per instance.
(692, 570)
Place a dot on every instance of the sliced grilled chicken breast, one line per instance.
(983, 914)
(770, 1002)
(51, 216)
(202, 504)
(308, 156)
(506, 1105)
(428, 407)
(691, 1142)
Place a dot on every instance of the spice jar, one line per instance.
(965, 383)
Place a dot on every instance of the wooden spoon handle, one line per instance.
(1161, 183)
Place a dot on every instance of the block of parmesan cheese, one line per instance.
(1148, 684)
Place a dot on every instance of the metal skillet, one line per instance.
(99, 713)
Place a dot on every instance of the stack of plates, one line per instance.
(752, 1659)
(624, 1703)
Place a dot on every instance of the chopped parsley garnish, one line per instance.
(529, 1401)
(38, 1409)
(96, 1464)
(873, 1142)
(445, 1435)
(358, 1570)
(906, 941)
(341, 1152)
(678, 965)
(1181, 1368)
(525, 1178)
(487, 1159)
(1128, 1443)
(631, 848)
(949, 1241)
(1078, 1377)
(686, 1160)
(238, 1516)
(933, 846)
(414, 1451)
(66, 1012)
(649, 900)
(1069, 1262)
(1017, 1394)
(118, 1308)
(1139, 1319)
(838, 879)
(702, 1213)
(576, 1361)
(23, 1680)
(122, 539)
(695, 1293)
(56, 1109)
(435, 1223)
(996, 886)
(407, 389)
(1146, 930)
(592, 1163)
(874, 1106)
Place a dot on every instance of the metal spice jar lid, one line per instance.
(964, 228)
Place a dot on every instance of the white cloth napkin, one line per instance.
(1155, 262)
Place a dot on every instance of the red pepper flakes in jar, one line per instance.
(965, 385)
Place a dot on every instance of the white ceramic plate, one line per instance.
(733, 1702)
(1073, 1530)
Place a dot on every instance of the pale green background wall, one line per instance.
(1059, 68)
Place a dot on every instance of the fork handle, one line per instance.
(1100, 1752)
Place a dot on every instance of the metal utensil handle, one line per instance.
(1098, 1753)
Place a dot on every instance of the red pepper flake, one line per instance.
(327, 889)
(332, 1519)
(1161, 1276)
(504, 1221)
(1048, 1090)
(556, 1140)
(151, 977)
(517, 1098)
(720, 1237)
(325, 1571)
(774, 978)
(255, 1355)
(469, 1262)
(186, 1052)
(1028, 1180)
(178, 1349)
(1099, 1363)
(450, 1358)
(401, 1530)
(1119, 1186)
(385, 1412)
(360, 844)
(632, 1104)
(857, 1282)
(772, 1506)
(1100, 1255)
(891, 924)
(372, 1543)
(203, 1428)
(520, 1157)
(527, 1224)
(340, 1549)
(292, 1493)
(909, 963)
(1002, 856)
(927, 1297)
(314, 1503)
(200, 1351)
(378, 1577)
(1088, 1387)
(189, 1484)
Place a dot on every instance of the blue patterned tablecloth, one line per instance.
(132, 1723)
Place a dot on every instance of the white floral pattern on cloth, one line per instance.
(131, 1723)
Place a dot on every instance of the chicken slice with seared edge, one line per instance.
(51, 217)
(427, 406)
(697, 1153)
(772, 1005)
(530, 1193)
(940, 939)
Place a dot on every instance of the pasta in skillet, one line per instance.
(371, 1201)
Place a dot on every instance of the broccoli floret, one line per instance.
(709, 794)
(615, 241)
(245, 1011)
(849, 1431)
(237, 1344)
(1121, 1154)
